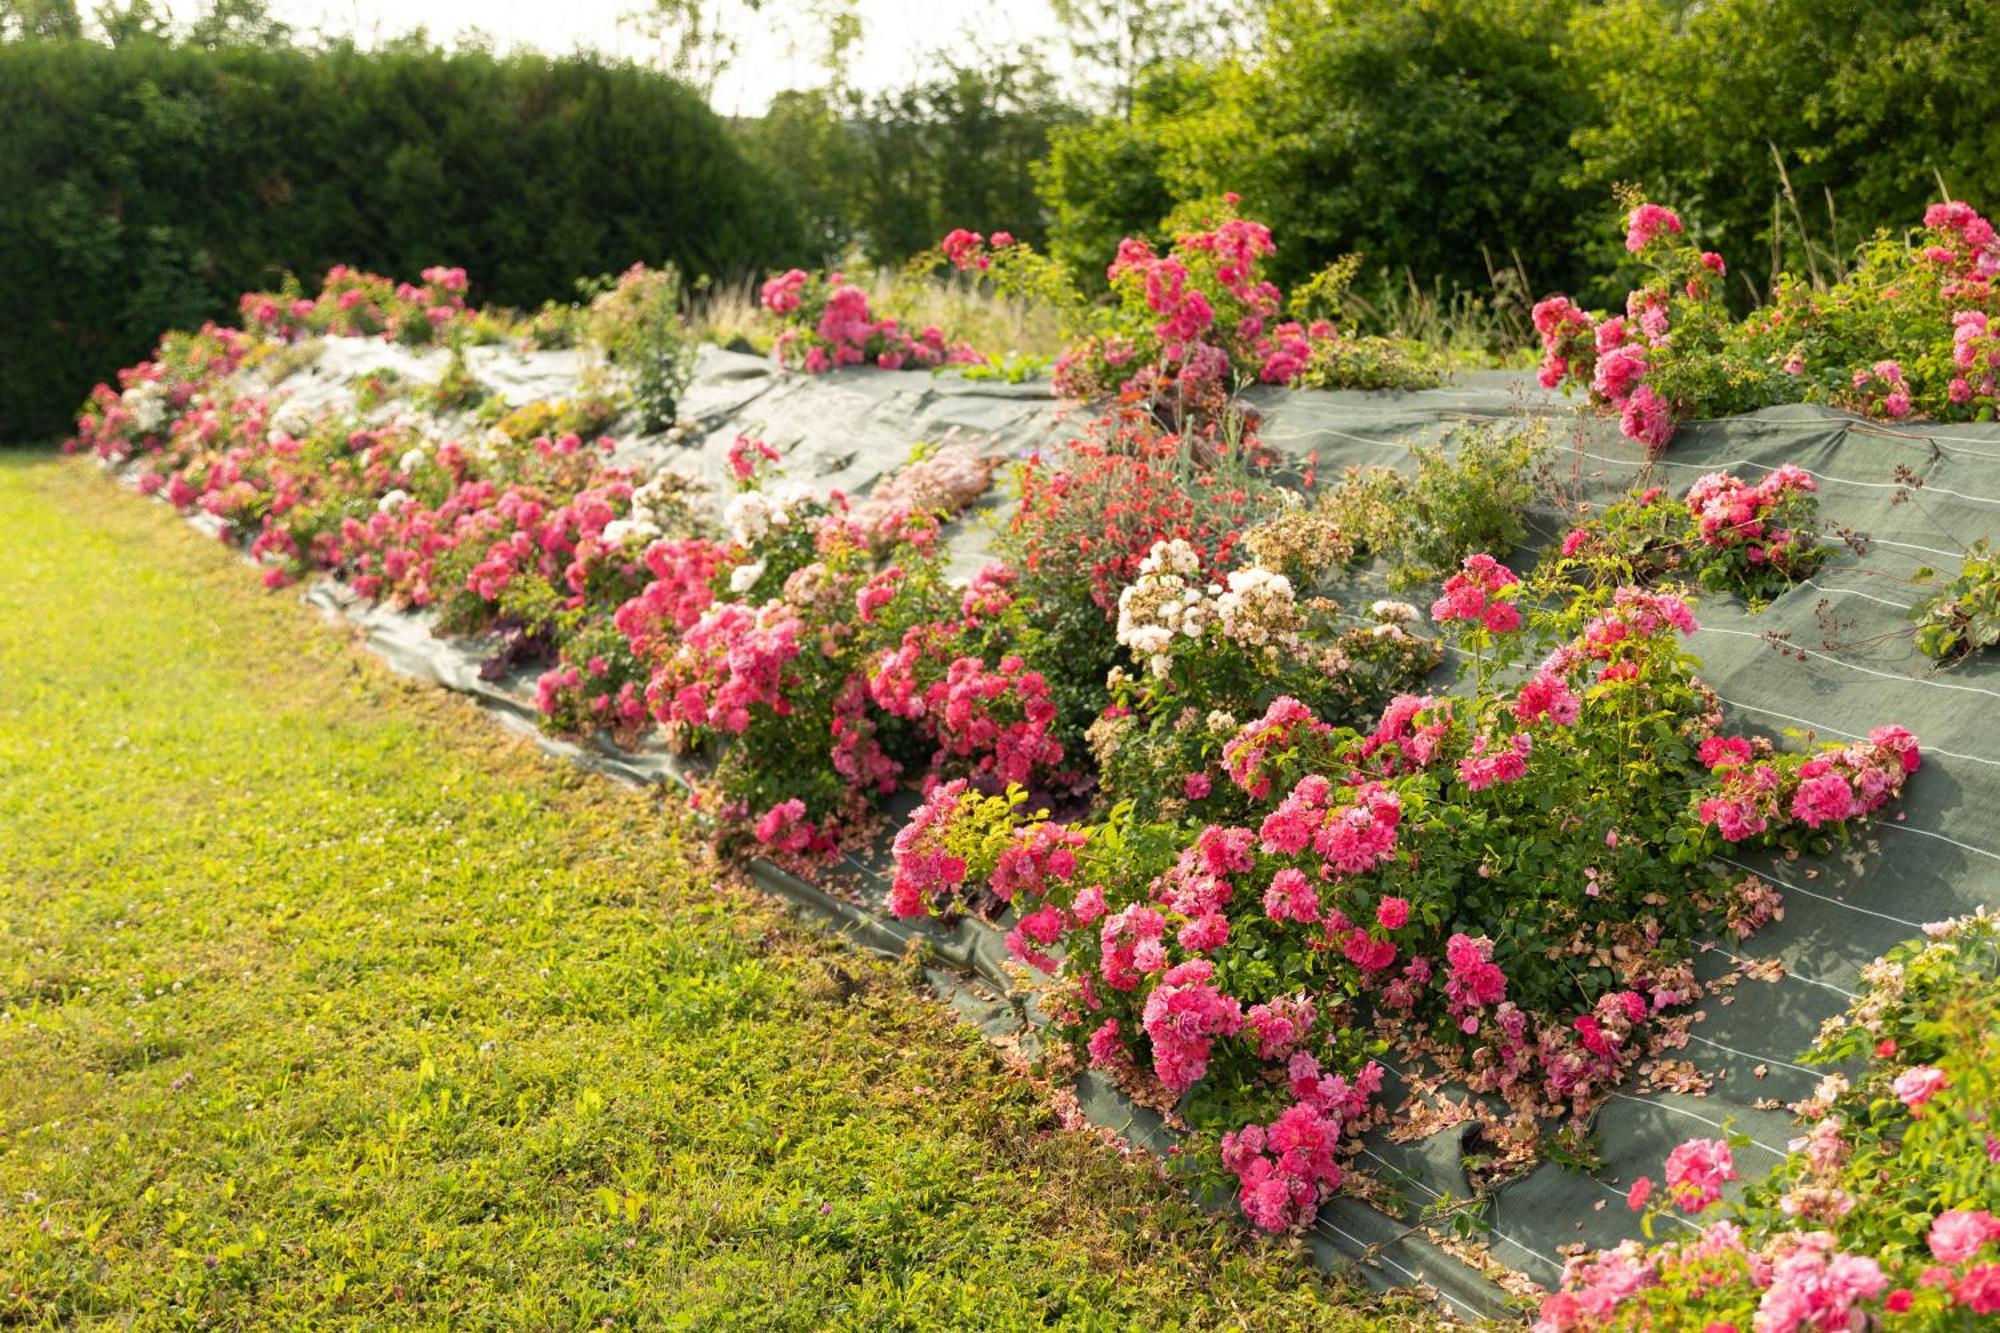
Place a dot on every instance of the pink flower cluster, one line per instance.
(998, 720)
(1566, 331)
(785, 829)
(1547, 694)
(1975, 354)
(1473, 981)
(729, 662)
(1039, 856)
(1485, 767)
(1183, 1017)
(682, 590)
(1696, 1172)
(1613, 356)
(926, 870)
(828, 324)
(1959, 1233)
(1284, 1169)
(1646, 222)
(965, 250)
(747, 457)
(1248, 755)
(1804, 1283)
(1401, 741)
(1827, 788)
(358, 304)
(1474, 594)
(1885, 384)
(1732, 513)
(1348, 839)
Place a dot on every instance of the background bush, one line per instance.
(145, 181)
(147, 184)
(1444, 136)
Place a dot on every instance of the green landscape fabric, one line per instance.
(1833, 656)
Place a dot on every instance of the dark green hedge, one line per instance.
(144, 187)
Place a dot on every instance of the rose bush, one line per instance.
(1905, 333)
(1475, 882)
(1182, 331)
(1882, 1214)
(1752, 539)
(825, 323)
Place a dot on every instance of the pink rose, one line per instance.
(1917, 1086)
(1957, 1235)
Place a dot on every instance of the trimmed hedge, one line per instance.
(146, 185)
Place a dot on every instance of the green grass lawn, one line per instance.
(321, 1002)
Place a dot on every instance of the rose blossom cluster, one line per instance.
(1757, 792)
(729, 662)
(927, 870)
(1170, 605)
(1612, 357)
(1474, 594)
(354, 303)
(828, 324)
(1732, 513)
(1285, 1168)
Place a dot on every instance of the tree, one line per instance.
(1428, 135)
(132, 21)
(698, 39)
(958, 150)
(1123, 41)
(225, 23)
(23, 20)
(1866, 105)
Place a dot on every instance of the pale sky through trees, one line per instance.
(897, 35)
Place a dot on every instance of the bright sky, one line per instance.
(897, 34)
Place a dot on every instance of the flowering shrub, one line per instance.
(1211, 653)
(1882, 1212)
(1481, 882)
(1089, 514)
(1186, 329)
(137, 417)
(357, 304)
(636, 320)
(1962, 617)
(825, 323)
(1904, 334)
(1753, 539)
(782, 678)
(941, 482)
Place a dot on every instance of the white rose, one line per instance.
(393, 501)
(618, 530)
(747, 516)
(744, 577)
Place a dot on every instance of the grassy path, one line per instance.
(323, 1003)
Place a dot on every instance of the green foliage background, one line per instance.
(1446, 136)
(144, 186)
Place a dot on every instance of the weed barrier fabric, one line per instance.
(1832, 656)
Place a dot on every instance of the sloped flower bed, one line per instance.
(1243, 843)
